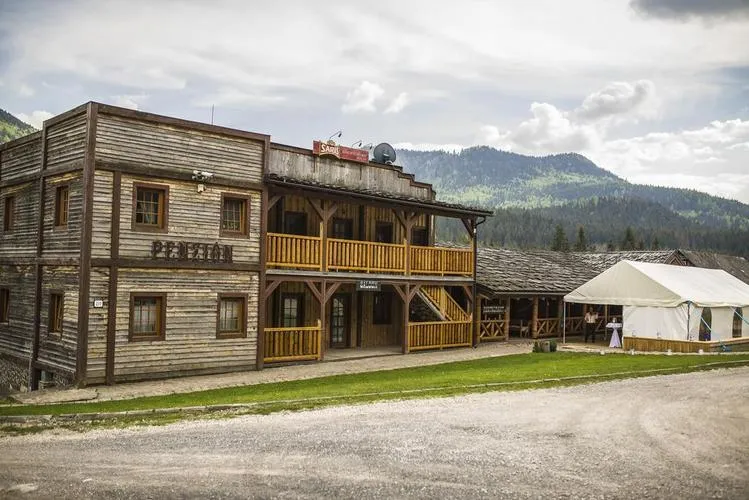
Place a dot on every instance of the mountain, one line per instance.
(534, 194)
(12, 128)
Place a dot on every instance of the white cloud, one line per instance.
(397, 104)
(130, 101)
(25, 91)
(233, 97)
(36, 118)
(617, 99)
(362, 98)
(425, 146)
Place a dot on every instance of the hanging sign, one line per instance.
(493, 309)
(367, 286)
(330, 148)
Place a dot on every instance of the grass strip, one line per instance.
(509, 372)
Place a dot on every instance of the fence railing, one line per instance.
(305, 252)
(445, 303)
(439, 334)
(292, 343)
(492, 329)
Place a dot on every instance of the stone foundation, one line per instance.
(14, 375)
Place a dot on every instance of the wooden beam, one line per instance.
(469, 225)
(534, 318)
(263, 304)
(270, 287)
(317, 292)
(272, 201)
(332, 288)
(412, 291)
(316, 204)
(400, 291)
(114, 252)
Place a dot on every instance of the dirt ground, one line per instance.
(678, 436)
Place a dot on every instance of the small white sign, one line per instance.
(98, 303)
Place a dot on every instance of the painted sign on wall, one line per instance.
(367, 286)
(191, 251)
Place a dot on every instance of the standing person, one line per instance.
(590, 326)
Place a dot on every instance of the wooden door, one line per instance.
(340, 320)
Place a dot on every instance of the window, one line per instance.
(150, 207)
(4, 305)
(9, 214)
(147, 316)
(295, 223)
(382, 308)
(383, 232)
(343, 229)
(292, 310)
(62, 197)
(420, 236)
(56, 312)
(234, 215)
(232, 314)
(738, 322)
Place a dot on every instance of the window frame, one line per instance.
(63, 188)
(161, 333)
(242, 332)
(387, 309)
(245, 230)
(4, 305)
(9, 213)
(163, 227)
(420, 230)
(348, 225)
(299, 296)
(734, 323)
(53, 294)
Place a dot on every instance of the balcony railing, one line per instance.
(439, 334)
(289, 251)
(292, 343)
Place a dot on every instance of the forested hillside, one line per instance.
(12, 128)
(533, 195)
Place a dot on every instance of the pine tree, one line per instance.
(629, 239)
(581, 245)
(610, 247)
(656, 245)
(560, 243)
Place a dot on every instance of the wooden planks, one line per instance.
(439, 335)
(293, 343)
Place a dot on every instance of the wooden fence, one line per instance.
(286, 250)
(366, 256)
(443, 301)
(662, 345)
(439, 334)
(292, 343)
(441, 261)
(492, 329)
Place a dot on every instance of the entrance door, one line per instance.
(340, 308)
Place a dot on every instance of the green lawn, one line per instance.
(514, 372)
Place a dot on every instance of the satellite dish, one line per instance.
(384, 153)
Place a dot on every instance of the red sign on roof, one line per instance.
(342, 152)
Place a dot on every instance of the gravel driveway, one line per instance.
(679, 436)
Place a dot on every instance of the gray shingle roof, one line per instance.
(505, 271)
(737, 266)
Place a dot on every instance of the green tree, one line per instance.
(628, 243)
(581, 245)
(560, 243)
(655, 245)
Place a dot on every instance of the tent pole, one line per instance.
(689, 317)
(564, 321)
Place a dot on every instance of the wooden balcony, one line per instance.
(287, 251)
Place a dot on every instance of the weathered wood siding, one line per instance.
(382, 335)
(21, 158)
(58, 351)
(330, 171)
(66, 142)
(190, 344)
(135, 142)
(101, 242)
(63, 241)
(193, 217)
(21, 241)
(16, 334)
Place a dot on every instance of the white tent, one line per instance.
(667, 301)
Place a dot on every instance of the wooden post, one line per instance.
(560, 314)
(534, 318)
(507, 319)
(323, 248)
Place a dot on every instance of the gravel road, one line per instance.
(679, 436)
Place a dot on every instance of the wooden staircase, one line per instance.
(443, 303)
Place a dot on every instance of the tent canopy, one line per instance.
(631, 283)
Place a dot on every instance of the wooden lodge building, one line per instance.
(137, 246)
(521, 291)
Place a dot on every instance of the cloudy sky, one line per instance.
(656, 91)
